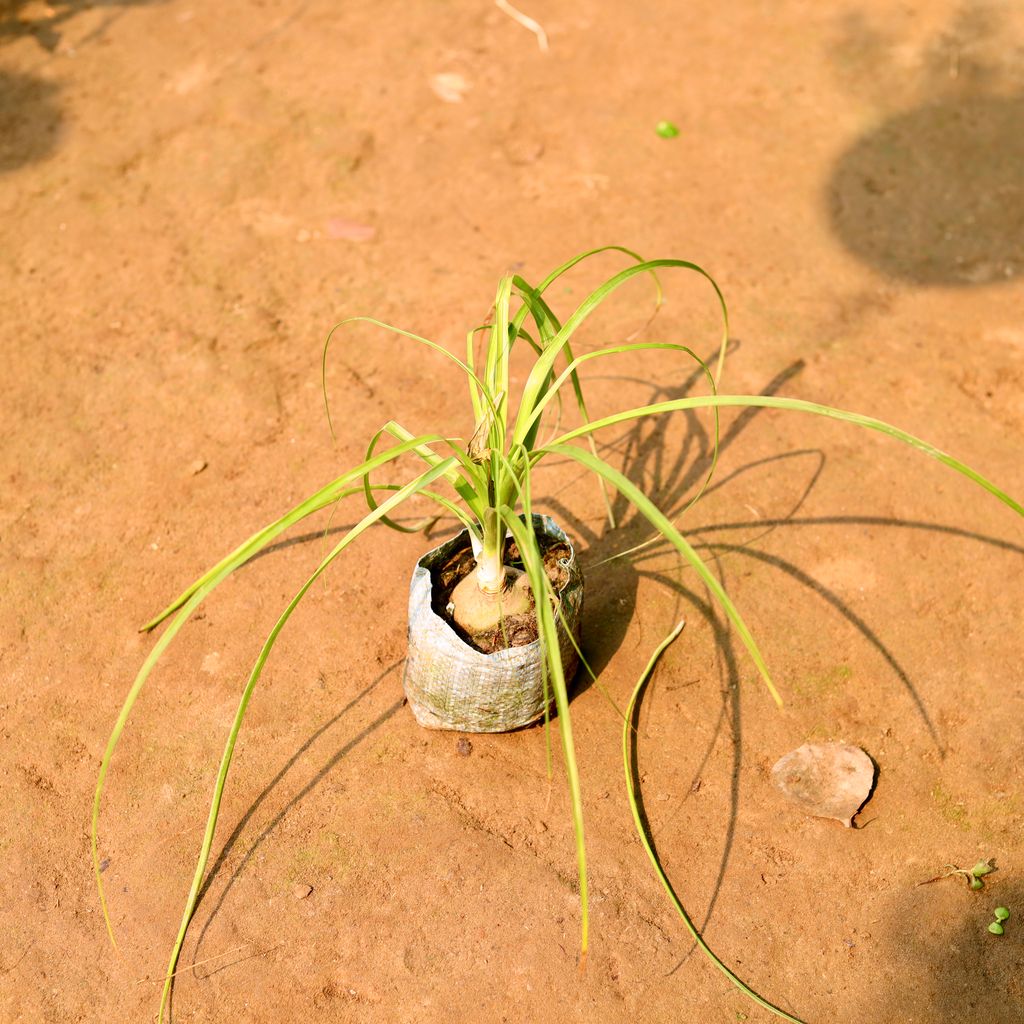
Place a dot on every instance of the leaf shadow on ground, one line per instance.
(670, 476)
(325, 769)
(669, 484)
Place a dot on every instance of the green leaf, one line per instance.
(664, 526)
(414, 487)
(544, 364)
(629, 756)
(793, 405)
(194, 595)
(547, 628)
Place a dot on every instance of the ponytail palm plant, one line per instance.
(486, 484)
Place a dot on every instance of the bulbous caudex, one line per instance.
(477, 608)
(493, 592)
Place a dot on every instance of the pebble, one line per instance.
(300, 890)
(449, 86)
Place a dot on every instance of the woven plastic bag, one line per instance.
(451, 685)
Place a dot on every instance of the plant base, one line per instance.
(451, 685)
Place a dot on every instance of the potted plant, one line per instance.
(494, 612)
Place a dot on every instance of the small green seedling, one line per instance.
(1002, 914)
(666, 129)
(972, 877)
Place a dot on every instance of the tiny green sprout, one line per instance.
(995, 928)
(666, 129)
(1002, 914)
(973, 878)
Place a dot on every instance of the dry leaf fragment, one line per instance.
(826, 780)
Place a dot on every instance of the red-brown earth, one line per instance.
(192, 194)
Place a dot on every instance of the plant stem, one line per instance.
(490, 566)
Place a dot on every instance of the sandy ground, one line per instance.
(192, 194)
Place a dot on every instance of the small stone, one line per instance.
(449, 86)
(300, 890)
(464, 747)
(522, 148)
(540, 827)
(196, 467)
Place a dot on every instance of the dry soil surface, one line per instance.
(192, 194)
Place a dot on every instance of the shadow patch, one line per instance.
(936, 196)
(30, 120)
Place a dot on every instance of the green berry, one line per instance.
(995, 928)
(1002, 914)
(666, 129)
(981, 868)
(977, 883)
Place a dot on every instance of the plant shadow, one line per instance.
(220, 865)
(668, 483)
(44, 22)
(30, 120)
(671, 478)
